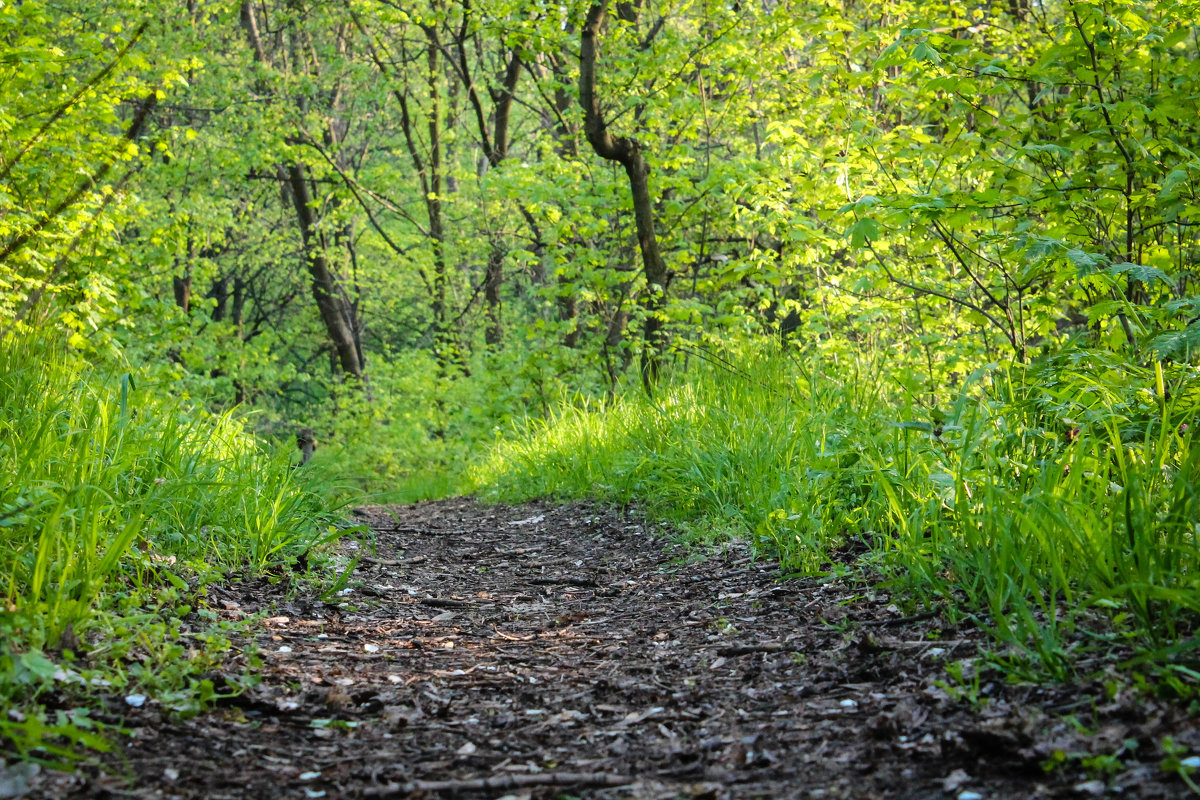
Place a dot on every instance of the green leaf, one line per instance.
(1139, 272)
(1177, 36)
(863, 231)
(911, 426)
(1176, 344)
(925, 52)
(1087, 263)
(866, 201)
(892, 54)
(1171, 183)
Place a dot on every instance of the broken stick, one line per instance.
(503, 782)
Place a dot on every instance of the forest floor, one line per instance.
(548, 651)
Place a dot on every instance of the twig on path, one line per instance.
(509, 637)
(900, 620)
(503, 782)
(393, 562)
(737, 573)
(444, 602)
(399, 529)
(584, 582)
(554, 562)
(747, 649)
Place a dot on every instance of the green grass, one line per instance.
(762, 456)
(115, 507)
(1055, 504)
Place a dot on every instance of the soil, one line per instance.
(549, 651)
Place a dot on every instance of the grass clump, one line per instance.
(764, 451)
(1062, 498)
(1045, 501)
(116, 506)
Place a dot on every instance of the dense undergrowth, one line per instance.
(1056, 504)
(117, 504)
(417, 430)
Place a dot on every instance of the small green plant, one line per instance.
(963, 683)
(724, 627)
(1176, 760)
(1103, 765)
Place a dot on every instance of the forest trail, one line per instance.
(565, 651)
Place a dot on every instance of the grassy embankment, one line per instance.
(116, 506)
(1057, 505)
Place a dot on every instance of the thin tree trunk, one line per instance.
(239, 306)
(183, 291)
(627, 151)
(493, 278)
(219, 293)
(330, 302)
(495, 149)
(443, 346)
(182, 284)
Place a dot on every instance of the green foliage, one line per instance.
(79, 89)
(713, 445)
(116, 506)
(1066, 488)
(967, 183)
(421, 430)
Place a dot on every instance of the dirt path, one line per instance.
(560, 652)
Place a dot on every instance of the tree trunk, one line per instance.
(492, 280)
(330, 302)
(183, 291)
(220, 294)
(443, 344)
(495, 149)
(628, 153)
(239, 306)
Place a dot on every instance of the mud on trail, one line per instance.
(568, 651)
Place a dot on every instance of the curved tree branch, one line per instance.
(627, 152)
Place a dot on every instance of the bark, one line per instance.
(306, 443)
(556, 119)
(568, 311)
(443, 345)
(430, 176)
(335, 312)
(183, 291)
(496, 153)
(493, 278)
(565, 134)
(182, 284)
(627, 151)
(250, 24)
(220, 294)
(239, 307)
